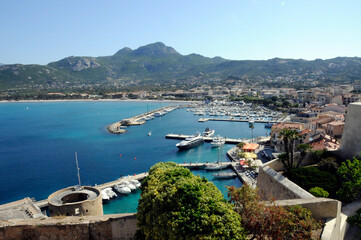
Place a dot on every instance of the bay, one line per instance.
(38, 141)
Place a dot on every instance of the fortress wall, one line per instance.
(115, 226)
(272, 184)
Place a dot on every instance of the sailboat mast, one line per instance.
(77, 168)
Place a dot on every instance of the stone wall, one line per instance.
(273, 185)
(115, 226)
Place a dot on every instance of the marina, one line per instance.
(103, 157)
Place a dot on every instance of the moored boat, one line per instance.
(224, 175)
(208, 132)
(218, 141)
(123, 189)
(190, 142)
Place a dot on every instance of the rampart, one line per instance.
(115, 226)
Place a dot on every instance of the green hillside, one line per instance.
(158, 64)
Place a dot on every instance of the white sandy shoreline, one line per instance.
(98, 100)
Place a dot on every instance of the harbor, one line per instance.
(103, 157)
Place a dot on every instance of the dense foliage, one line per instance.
(350, 174)
(270, 221)
(355, 221)
(319, 192)
(310, 177)
(175, 204)
(328, 164)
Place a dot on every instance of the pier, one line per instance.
(118, 127)
(203, 165)
(235, 120)
(228, 140)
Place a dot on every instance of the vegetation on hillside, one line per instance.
(269, 221)
(158, 65)
(175, 204)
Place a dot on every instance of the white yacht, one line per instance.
(190, 142)
(208, 132)
(215, 166)
(122, 188)
(136, 183)
(110, 192)
(218, 141)
(105, 196)
(224, 175)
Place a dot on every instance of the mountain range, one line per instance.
(160, 65)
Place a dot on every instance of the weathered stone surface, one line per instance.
(116, 226)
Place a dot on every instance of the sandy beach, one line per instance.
(97, 100)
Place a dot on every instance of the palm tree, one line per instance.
(251, 126)
(289, 137)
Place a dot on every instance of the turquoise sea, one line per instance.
(38, 141)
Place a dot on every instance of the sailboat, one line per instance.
(224, 174)
(216, 166)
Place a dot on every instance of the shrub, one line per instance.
(271, 221)
(310, 177)
(355, 220)
(350, 174)
(319, 192)
(328, 164)
(175, 204)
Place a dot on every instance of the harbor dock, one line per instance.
(235, 120)
(118, 127)
(228, 140)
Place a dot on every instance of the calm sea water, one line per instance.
(38, 141)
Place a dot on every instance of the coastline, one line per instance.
(97, 100)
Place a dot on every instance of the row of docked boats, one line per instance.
(242, 111)
(159, 113)
(126, 187)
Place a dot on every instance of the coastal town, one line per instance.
(180, 120)
(321, 119)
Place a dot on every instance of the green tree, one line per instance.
(319, 192)
(241, 145)
(175, 204)
(350, 174)
(355, 220)
(251, 126)
(328, 164)
(317, 155)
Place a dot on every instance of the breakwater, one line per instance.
(119, 127)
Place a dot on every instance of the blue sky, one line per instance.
(35, 31)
